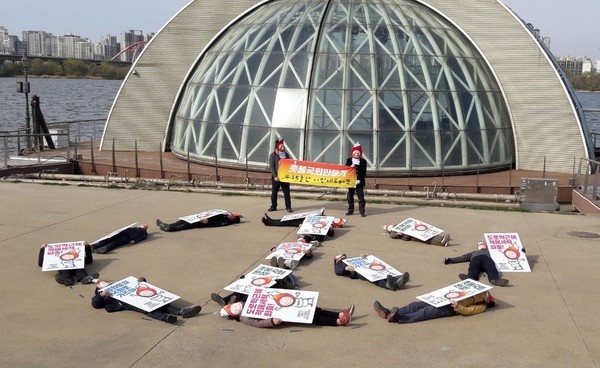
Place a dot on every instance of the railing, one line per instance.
(65, 134)
(588, 179)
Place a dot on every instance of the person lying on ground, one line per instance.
(223, 219)
(421, 311)
(390, 282)
(480, 261)
(130, 235)
(442, 239)
(322, 317)
(295, 220)
(285, 262)
(71, 276)
(167, 313)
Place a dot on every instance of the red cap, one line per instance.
(357, 147)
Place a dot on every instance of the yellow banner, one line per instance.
(316, 173)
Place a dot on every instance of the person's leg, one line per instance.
(285, 187)
(160, 315)
(489, 267)
(181, 225)
(360, 193)
(325, 318)
(420, 311)
(274, 191)
(475, 268)
(65, 277)
(350, 198)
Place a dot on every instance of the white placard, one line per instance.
(288, 305)
(64, 256)
(291, 250)
(417, 229)
(262, 275)
(507, 252)
(142, 294)
(114, 233)
(202, 216)
(371, 267)
(316, 225)
(458, 291)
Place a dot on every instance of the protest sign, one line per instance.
(371, 267)
(190, 219)
(64, 256)
(316, 225)
(507, 252)
(288, 305)
(262, 275)
(140, 294)
(417, 229)
(316, 173)
(300, 215)
(114, 233)
(458, 291)
(290, 250)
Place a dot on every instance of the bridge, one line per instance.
(18, 57)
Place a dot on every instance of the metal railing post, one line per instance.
(137, 167)
(114, 161)
(160, 158)
(92, 157)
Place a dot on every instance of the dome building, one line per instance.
(424, 86)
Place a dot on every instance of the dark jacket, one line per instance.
(274, 163)
(361, 171)
(469, 256)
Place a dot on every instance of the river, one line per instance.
(88, 99)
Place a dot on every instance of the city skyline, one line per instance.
(573, 29)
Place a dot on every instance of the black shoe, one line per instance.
(363, 214)
(393, 316)
(100, 250)
(217, 299)
(381, 310)
(390, 283)
(499, 282)
(64, 280)
(402, 280)
(190, 311)
(89, 279)
(169, 318)
(271, 209)
(348, 213)
(161, 225)
(463, 276)
(289, 209)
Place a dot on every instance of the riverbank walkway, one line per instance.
(546, 318)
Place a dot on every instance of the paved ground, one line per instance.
(546, 318)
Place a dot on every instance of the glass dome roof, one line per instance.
(392, 75)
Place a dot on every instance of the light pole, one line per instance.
(23, 87)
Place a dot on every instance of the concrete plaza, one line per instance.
(546, 318)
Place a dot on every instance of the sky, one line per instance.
(572, 25)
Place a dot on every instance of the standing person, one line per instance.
(360, 164)
(131, 235)
(277, 154)
(480, 261)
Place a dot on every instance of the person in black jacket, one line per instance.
(360, 164)
(277, 154)
(71, 276)
(167, 313)
(130, 235)
(223, 219)
(480, 261)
